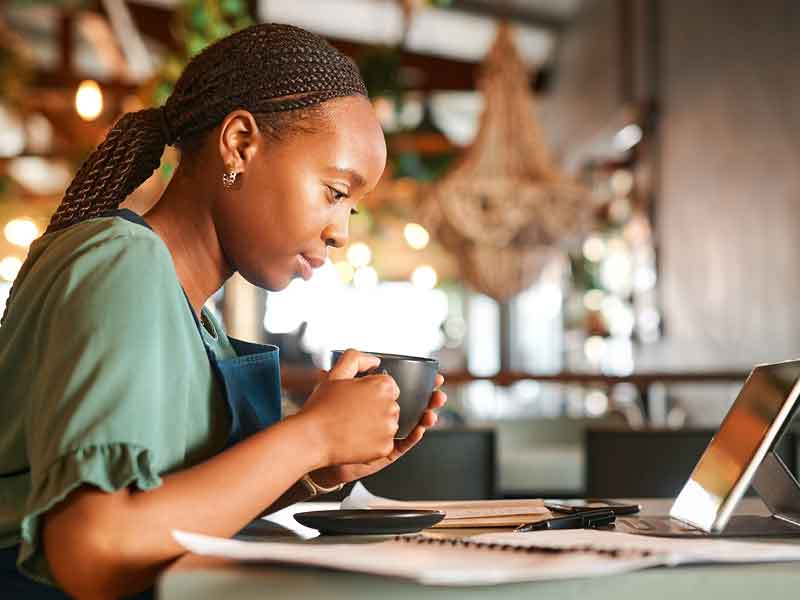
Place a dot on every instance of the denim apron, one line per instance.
(251, 385)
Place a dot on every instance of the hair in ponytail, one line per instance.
(122, 162)
(267, 69)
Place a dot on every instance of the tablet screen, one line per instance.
(729, 462)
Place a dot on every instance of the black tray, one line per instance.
(369, 521)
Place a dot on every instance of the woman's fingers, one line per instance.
(428, 419)
(404, 445)
(351, 363)
(439, 380)
(438, 399)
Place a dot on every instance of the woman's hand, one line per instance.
(344, 473)
(355, 420)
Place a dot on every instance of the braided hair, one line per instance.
(267, 69)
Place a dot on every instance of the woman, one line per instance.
(126, 410)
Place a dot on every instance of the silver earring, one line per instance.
(229, 178)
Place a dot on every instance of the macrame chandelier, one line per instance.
(504, 208)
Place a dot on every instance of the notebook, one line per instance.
(462, 513)
(495, 558)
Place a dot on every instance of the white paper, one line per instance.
(431, 564)
(672, 550)
(445, 564)
(285, 517)
(361, 498)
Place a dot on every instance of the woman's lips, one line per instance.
(308, 263)
(305, 267)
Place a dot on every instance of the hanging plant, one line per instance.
(198, 24)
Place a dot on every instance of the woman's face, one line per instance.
(295, 196)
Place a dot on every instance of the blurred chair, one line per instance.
(544, 456)
(651, 463)
(448, 464)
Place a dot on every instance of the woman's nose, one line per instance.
(335, 236)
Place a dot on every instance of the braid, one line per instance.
(121, 163)
(265, 69)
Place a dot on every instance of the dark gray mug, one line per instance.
(416, 378)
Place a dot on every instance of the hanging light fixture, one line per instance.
(504, 209)
(89, 100)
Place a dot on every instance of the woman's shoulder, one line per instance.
(100, 260)
(108, 244)
(99, 234)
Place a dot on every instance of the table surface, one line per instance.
(201, 578)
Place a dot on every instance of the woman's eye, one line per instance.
(336, 195)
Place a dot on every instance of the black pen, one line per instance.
(581, 520)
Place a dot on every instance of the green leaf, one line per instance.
(233, 8)
(196, 44)
(219, 30)
(199, 17)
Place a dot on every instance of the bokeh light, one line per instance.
(89, 100)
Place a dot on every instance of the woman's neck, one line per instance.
(182, 218)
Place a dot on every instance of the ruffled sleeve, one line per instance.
(110, 467)
(114, 370)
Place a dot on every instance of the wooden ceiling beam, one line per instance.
(156, 22)
(423, 72)
(66, 34)
(504, 10)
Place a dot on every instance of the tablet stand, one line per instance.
(778, 488)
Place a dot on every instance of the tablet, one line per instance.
(754, 424)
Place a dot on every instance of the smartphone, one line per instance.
(582, 504)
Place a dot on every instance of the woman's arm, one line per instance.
(105, 545)
(108, 545)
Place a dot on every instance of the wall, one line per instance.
(585, 97)
(728, 207)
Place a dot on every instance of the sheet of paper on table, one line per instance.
(464, 513)
(514, 557)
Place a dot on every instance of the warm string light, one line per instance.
(89, 100)
(345, 271)
(9, 268)
(593, 299)
(21, 232)
(358, 271)
(627, 137)
(365, 277)
(425, 277)
(594, 248)
(416, 236)
(12, 133)
(359, 255)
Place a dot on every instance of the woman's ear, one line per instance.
(238, 140)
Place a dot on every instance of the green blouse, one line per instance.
(104, 379)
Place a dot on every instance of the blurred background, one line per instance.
(589, 214)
